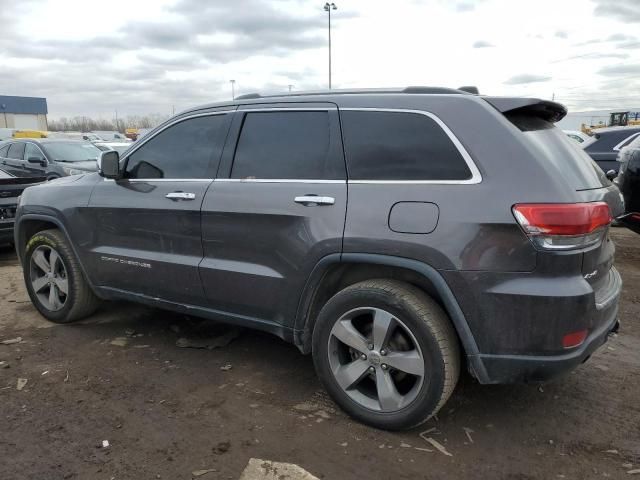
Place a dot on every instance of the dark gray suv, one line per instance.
(398, 236)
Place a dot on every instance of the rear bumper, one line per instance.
(603, 319)
(524, 368)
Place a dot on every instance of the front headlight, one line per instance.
(72, 171)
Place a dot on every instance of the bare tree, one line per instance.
(87, 124)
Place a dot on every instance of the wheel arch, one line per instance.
(336, 272)
(30, 224)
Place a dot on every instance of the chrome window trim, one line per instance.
(148, 180)
(476, 176)
(276, 180)
(289, 109)
(630, 137)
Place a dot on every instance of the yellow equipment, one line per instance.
(30, 134)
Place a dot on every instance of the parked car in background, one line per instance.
(11, 187)
(111, 136)
(142, 132)
(578, 136)
(119, 147)
(87, 137)
(607, 143)
(628, 180)
(6, 133)
(49, 158)
(475, 237)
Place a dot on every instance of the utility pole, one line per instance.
(117, 124)
(327, 8)
(233, 89)
(290, 86)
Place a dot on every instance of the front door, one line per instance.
(34, 161)
(146, 227)
(277, 208)
(14, 162)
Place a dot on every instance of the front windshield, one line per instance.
(72, 152)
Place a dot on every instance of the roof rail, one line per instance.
(433, 90)
(415, 89)
(248, 96)
(470, 89)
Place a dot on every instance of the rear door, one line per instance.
(146, 227)
(276, 209)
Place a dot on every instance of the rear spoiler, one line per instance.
(545, 109)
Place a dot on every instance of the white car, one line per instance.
(111, 136)
(117, 146)
(578, 136)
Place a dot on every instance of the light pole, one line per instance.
(233, 89)
(327, 8)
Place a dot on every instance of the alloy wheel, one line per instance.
(376, 359)
(48, 277)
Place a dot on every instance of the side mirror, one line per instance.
(38, 160)
(611, 174)
(109, 164)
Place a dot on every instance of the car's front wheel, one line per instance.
(54, 279)
(386, 353)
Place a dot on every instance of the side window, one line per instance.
(286, 145)
(31, 151)
(399, 146)
(184, 150)
(16, 151)
(4, 150)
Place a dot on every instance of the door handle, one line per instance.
(181, 196)
(313, 200)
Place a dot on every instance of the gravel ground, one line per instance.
(168, 411)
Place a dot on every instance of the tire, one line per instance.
(79, 301)
(420, 336)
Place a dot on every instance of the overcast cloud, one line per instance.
(91, 58)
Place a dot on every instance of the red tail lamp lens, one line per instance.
(562, 218)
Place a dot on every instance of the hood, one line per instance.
(85, 166)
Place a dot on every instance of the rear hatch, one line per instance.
(564, 157)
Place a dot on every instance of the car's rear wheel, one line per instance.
(54, 279)
(386, 353)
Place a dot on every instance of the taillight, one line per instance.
(563, 226)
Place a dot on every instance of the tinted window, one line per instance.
(183, 150)
(31, 151)
(399, 146)
(16, 150)
(3, 151)
(286, 145)
(552, 147)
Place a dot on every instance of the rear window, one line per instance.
(399, 146)
(554, 148)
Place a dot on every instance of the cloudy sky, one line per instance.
(91, 57)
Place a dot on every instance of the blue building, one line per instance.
(23, 113)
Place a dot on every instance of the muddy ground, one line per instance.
(168, 411)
